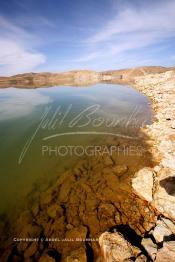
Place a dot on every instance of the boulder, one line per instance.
(161, 231)
(150, 247)
(173, 125)
(115, 248)
(46, 258)
(78, 255)
(141, 258)
(54, 211)
(120, 169)
(169, 224)
(167, 252)
(142, 184)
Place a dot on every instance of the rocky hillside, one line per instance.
(81, 77)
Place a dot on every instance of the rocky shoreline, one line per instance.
(155, 185)
(100, 195)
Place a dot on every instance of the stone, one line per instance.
(31, 250)
(167, 252)
(77, 236)
(35, 209)
(46, 198)
(106, 210)
(141, 258)
(169, 224)
(161, 231)
(115, 248)
(69, 226)
(164, 202)
(150, 247)
(65, 189)
(173, 124)
(108, 161)
(168, 162)
(46, 258)
(54, 211)
(142, 184)
(78, 255)
(120, 169)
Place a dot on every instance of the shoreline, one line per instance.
(155, 185)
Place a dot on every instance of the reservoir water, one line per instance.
(45, 131)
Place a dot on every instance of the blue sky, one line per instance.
(61, 35)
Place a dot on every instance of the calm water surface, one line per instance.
(83, 115)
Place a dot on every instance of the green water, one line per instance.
(67, 116)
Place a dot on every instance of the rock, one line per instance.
(69, 226)
(118, 218)
(108, 161)
(168, 162)
(173, 125)
(78, 255)
(65, 189)
(161, 231)
(142, 183)
(115, 248)
(21, 247)
(46, 197)
(46, 258)
(31, 250)
(54, 211)
(169, 224)
(150, 247)
(164, 199)
(120, 169)
(106, 210)
(35, 209)
(167, 252)
(141, 258)
(77, 235)
(30, 230)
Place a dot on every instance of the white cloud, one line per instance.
(16, 53)
(155, 20)
(131, 29)
(16, 103)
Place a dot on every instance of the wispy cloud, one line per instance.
(131, 29)
(16, 49)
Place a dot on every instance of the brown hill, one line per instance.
(78, 77)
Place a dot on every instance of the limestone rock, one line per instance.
(108, 161)
(164, 202)
(167, 252)
(78, 255)
(169, 224)
(141, 258)
(173, 125)
(46, 258)
(31, 250)
(142, 183)
(77, 235)
(115, 248)
(54, 211)
(106, 210)
(150, 247)
(120, 169)
(161, 231)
